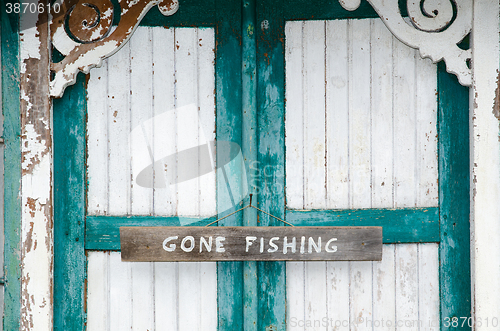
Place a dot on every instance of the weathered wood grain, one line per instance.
(143, 89)
(371, 83)
(250, 243)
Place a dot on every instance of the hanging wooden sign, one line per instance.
(155, 244)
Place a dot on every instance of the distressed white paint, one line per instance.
(402, 288)
(84, 57)
(485, 163)
(357, 137)
(154, 98)
(36, 185)
(360, 139)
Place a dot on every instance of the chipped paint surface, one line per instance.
(36, 179)
(485, 162)
(98, 42)
(496, 104)
(31, 45)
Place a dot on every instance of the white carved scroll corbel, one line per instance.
(85, 35)
(434, 27)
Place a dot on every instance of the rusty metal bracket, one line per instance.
(83, 31)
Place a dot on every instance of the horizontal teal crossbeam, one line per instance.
(103, 232)
(406, 225)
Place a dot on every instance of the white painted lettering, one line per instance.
(333, 249)
(183, 244)
(261, 244)
(170, 248)
(273, 245)
(287, 245)
(208, 245)
(317, 247)
(302, 244)
(219, 246)
(250, 240)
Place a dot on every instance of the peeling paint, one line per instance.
(496, 103)
(36, 179)
(98, 42)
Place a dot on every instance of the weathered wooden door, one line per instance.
(320, 114)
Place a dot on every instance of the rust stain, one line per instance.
(28, 243)
(26, 300)
(496, 104)
(35, 111)
(31, 203)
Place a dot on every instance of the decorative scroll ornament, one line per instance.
(85, 34)
(435, 27)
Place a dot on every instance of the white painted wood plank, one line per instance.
(404, 125)
(119, 131)
(337, 114)
(98, 291)
(295, 293)
(361, 291)
(384, 291)
(428, 286)
(97, 141)
(165, 295)
(141, 110)
(485, 162)
(337, 296)
(314, 114)
(407, 286)
(120, 293)
(426, 163)
(164, 127)
(155, 288)
(382, 115)
(143, 307)
(206, 113)
(359, 114)
(315, 293)
(186, 62)
(189, 294)
(208, 296)
(294, 123)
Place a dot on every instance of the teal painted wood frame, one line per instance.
(453, 156)
(453, 147)
(69, 118)
(270, 115)
(228, 79)
(327, 10)
(9, 28)
(249, 150)
(70, 181)
(271, 154)
(405, 225)
(103, 232)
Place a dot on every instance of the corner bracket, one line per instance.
(83, 31)
(434, 27)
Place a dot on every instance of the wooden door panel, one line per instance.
(154, 98)
(361, 132)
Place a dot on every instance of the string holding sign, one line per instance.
(249, 206)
